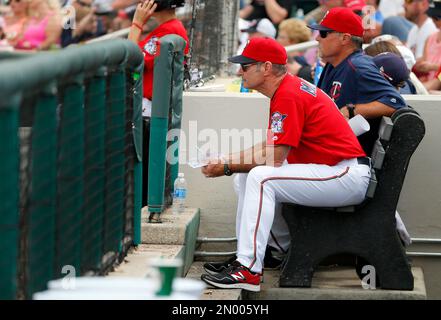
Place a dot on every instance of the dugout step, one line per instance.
(175, 229)
(334, 283)
(211, 293)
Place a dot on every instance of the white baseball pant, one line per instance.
(259, 220)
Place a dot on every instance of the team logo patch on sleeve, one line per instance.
(308, 88)
(277, 122)
(151, 46)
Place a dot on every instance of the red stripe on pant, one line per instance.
(261, 200)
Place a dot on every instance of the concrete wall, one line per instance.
(420, 202)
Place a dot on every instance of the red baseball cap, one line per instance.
(341, 19)
(355, 5)
(261, 50)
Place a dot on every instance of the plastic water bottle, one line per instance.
(318, 71)
(300, 14)
(180, 194)
(242, 88)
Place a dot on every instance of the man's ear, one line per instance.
(346, 37)
(268, 67)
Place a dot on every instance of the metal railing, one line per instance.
(302, 46)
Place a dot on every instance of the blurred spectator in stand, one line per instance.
(122, 4)
(316, 15)
(378, 16)
(255, 29)
(435, 84)
(376, 19)
(15, 21)
(274, 10)
(293, 31)
(393, 68)
(413, 85)
(415, 11)
(87, 24)
(430, 62)
(43, 28)
(391, 8)
(4, 45)
(355, 5)
(124, 17)
(260, 28)
(2, 24)
(406, 53)
(394, 21)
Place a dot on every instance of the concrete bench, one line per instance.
(367, 230)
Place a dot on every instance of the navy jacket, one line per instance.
(357, 80)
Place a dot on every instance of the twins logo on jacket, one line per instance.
(335, 90)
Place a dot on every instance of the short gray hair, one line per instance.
(279, 69)
(357, 41)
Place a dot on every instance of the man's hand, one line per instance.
(344, 111)
(88, 24)
(426, 66)
(144, 11)
(214, 169)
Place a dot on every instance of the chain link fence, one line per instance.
(69, 157)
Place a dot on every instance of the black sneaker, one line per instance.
(217, 267)
(236, 276)
(271, 262)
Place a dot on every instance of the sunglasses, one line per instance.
(410, 1)
(324, 33)
(245, 67)
(10, 1)
(84, 4)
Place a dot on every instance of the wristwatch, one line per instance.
(227, 170)
(351, 110)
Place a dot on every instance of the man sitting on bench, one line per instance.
(310, 157)
(352, 79)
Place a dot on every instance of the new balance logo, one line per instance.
(238, 276)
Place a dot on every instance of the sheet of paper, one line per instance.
(203, 158)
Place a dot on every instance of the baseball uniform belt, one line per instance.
(364, 160)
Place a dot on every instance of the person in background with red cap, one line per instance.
(352, 79)
(310, 157)
(367, 10)
(318, 13)
(168, 24)
(355, 5)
